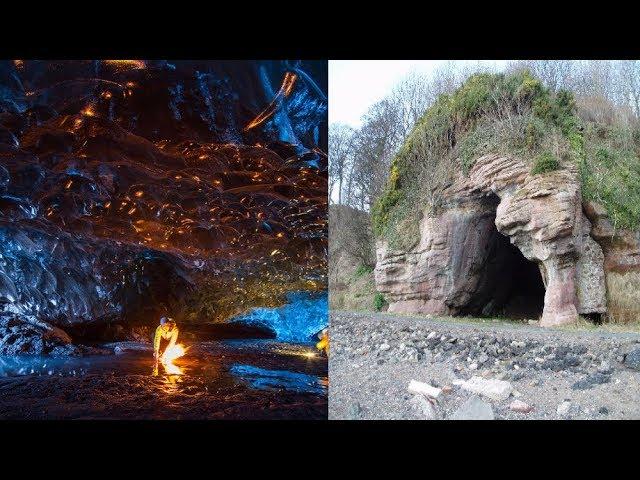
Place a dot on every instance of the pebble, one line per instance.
(355, 410)
(605, 368)
(474, 409)
(491, 388)
(384, 347)
(567, 408)
(520, 406)
(424, 406)
(424, 388)
(590, 381)
(632, 359)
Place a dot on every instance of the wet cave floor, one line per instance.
(236, 379)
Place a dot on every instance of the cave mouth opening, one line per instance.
(510, 286)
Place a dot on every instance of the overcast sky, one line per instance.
(355, 85)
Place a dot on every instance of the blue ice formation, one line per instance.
(304, 315)
(263, 379)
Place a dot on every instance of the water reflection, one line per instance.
(262, 379)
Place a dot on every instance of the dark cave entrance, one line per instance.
(510, 286)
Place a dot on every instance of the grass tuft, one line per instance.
(545, 162)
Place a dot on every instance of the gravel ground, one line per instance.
(558, 374)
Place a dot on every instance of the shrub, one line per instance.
(545, 162)
(363, 270)
(610, 172)
(604, 156)
(379, 301)
(534, 133)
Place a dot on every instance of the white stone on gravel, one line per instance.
(384, 347)
(568, 408)
(424, 389)
(563, 408)
(431, 335)
(474, 409)
(491, 388)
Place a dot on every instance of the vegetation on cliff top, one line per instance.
(512, 114)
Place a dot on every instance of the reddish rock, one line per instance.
(520, 407)
(463, 264)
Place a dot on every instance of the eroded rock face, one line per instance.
(460, 266)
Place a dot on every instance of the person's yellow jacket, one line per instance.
(163, 332)
(323, 344)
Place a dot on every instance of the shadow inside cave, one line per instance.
(509, 285)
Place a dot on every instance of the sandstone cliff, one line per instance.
(504, 238)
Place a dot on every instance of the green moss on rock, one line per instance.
(545, 162)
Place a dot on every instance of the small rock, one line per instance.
(603, 411)
(563, 408)
(520, 406)
(355, 410)
(590, 381)
(567, 408)
(424, 389)
(473, 366)
(424, 406)
(632, 359)
(482, 358)
(431, 335)
(605, 368)
(491, 388)
(384, 347)
(447, 389)
(474, 409)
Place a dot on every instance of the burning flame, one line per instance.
(170, 354)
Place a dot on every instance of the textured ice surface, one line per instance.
(262, 379)
(304, 315)
(121, 180)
